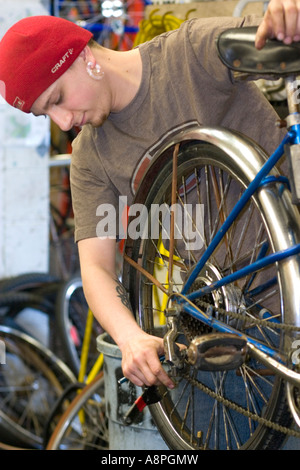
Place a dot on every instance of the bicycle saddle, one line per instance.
(237, 51)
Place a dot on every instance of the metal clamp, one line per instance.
(172, 354)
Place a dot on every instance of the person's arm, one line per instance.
(108, 302)
(281, 21)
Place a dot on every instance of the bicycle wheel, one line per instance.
(83, 426)
(219, 409)
(32, 378)
(42, 285)
(28, 282)
(71, 315)
(33, 313)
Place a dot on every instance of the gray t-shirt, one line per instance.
(183, 83)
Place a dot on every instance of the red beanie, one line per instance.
(34, 53)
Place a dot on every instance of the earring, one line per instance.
(94, 71)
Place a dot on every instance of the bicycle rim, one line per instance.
(31, 380)
(83, 426)
(71, 315)
(196, 415)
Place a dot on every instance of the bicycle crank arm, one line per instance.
(279, 369)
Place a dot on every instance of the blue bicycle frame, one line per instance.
(262, 178)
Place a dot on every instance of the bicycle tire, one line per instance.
(26, 282)
(33, 293)
(70, 319)
(31, 380)
(71, 434)
(186, 428)
(15, 306)
(37, 290)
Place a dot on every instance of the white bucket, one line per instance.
(140, 435)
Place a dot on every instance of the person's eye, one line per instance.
(59, 100)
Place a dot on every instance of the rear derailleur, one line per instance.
(208, 352)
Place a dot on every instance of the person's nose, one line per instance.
(63, 118)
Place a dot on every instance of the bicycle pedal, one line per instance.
(217, 351)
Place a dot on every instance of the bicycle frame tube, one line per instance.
(292, 137)
(255, 266)
(263, 353)
(253, 186)
(296, 134)
(224, 328)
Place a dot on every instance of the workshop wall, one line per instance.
(24, 178)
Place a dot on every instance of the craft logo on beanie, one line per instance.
(62, 61)
(18, 103)
(34, 53)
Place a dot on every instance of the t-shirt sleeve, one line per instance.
(93, 196)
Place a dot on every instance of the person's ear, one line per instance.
(87, 55)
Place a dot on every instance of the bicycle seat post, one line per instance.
(292, 150)
(291, 86)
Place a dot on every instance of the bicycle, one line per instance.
(62, 301)
(24, 423)
(64, 259)
(232, 283)
(32, 427)
(83, 425)
(32, 378)
(77, 329)
(113, 24)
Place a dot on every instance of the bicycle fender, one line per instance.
(238, 146)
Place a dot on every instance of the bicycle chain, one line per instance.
(240, 316)
(240, 409)
(229, 403)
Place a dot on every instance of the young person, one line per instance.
(126, 103)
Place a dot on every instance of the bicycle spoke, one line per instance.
(212, 409)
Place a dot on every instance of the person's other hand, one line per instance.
(281, 21)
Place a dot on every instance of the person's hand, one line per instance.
(281, 21)
(141, 363)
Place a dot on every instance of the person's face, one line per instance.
(74, 99)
